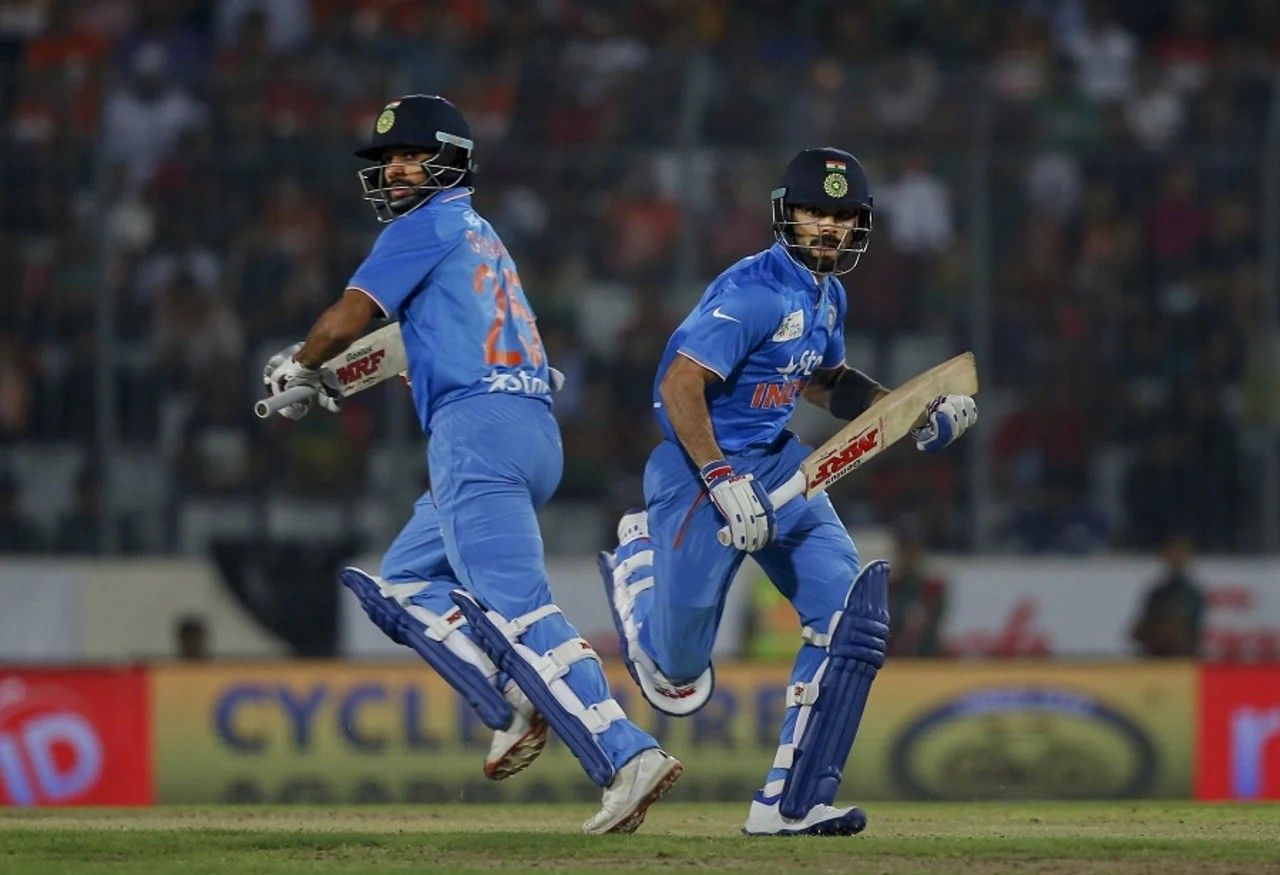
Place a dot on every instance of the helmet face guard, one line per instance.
(849, 247)
(449, 167)
(831, 182)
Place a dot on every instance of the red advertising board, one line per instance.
(1239, 729)
(74, 737)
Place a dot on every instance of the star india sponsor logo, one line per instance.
(519, 382)
(804, 366)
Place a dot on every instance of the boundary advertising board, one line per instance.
(74, 737)
(342, 732)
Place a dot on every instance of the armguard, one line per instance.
(852, 394)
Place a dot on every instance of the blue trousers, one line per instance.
(812, 561)
(494, 460)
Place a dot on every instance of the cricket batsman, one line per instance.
(464, 583)
(767, 332)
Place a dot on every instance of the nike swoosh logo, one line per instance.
(716, 313)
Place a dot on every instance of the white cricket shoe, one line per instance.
(514, 748)
(641, 782)
(765, 819)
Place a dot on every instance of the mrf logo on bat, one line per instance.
(849, 457)
(364, 365)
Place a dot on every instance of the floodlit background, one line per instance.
(1085, 194)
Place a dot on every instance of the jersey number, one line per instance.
(507, 303)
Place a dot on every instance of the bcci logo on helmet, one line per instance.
(835, 185)
(385, 121)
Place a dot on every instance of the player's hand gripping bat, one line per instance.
(880, 426)
(377, 356)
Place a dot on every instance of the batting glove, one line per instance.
(743, 503)
(283, 371)
(946, 418)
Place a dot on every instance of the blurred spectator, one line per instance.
(1172, 615)
(919, 209)
(81, 530)
(17, 533)
(1103, 52)
(191, 638)
(917, 597)
(286, 22)
(143, 119)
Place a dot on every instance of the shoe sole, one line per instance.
(849, 824)
(521, 754)
(631, 822)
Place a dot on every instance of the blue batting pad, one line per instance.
(579, 739)
(470, 682)
(854, 654)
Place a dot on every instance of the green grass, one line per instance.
(1149, 837)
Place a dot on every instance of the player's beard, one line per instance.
(823, 263)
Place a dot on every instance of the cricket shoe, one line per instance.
(514, 748)
(641, 781)
(626, 574)
(765, 819)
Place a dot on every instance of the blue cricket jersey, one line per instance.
(763, 326)
(468, 329)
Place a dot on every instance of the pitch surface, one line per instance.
(1146, 837)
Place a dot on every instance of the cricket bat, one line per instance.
(880, 426)
(376, 357)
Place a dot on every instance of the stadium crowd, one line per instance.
(1078, 182)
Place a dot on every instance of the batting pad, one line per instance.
(831, 705)
(541, 677)
(437, 640)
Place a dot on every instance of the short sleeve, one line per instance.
(403, 255)
(835, 355)
(729, 326)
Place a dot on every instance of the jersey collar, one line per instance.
(795, 273)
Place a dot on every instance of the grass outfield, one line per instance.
(1149, 837)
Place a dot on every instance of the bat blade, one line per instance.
(886, 422)
(374, 358)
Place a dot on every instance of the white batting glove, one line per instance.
(743, 503)
(947, 417)
(282, 372)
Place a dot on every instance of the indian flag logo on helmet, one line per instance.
(834, 166)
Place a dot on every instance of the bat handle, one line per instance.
(280, 400)
(778, 497)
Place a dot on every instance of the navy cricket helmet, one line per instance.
(830, 180)
(421, 121)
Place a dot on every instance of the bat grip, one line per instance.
(778, 497)
(280, 400)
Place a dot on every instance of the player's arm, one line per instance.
(742, 501)
(684, 397)
(302, 363)
(843, 391)
(337, 327)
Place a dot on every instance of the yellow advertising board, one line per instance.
(359, 732)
